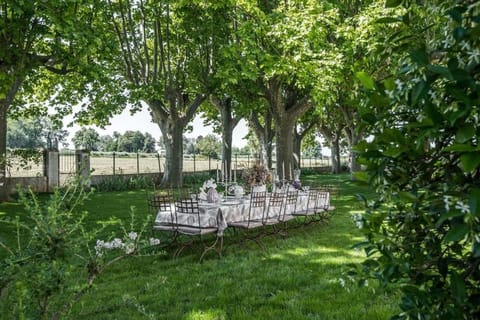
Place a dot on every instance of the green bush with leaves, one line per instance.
(423, 231)
(55, 260)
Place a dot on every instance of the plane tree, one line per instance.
(167, 55)
(38, 38)
(285, 46)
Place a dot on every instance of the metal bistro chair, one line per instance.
(274, 211)
(254, 219)
(159, 204)
(309, 212)
(190, 224)
(323, 206)
(289, 209)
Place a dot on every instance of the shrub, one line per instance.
(424, 161)
(53, 248)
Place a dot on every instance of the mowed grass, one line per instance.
(300, 277)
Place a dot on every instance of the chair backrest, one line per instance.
(276, 203)
(290, 201)
(257, 203)
(159, 202)
(187, 213)
(323, 201)
(312, 201)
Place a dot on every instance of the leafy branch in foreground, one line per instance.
(52, 247)
(423, 232)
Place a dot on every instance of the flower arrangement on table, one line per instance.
(257, 175)
(297, 184)
(208, 191)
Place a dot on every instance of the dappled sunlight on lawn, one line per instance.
(206, 314)
(321, 255)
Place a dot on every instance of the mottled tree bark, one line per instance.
(5, 103)
(265, 135)
(229, 122)
(172, 124)
(286, 104)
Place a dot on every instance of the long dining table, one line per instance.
(220, 214)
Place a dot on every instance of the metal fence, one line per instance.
(118, 163)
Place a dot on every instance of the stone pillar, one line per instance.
(51, 169)
(83, 165)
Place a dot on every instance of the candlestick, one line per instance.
(235, 174)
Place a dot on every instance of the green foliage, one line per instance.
(39, 262)
(39, 132)
(209, 146)
(50, 257)
(120, 183)
(24, 158)
(424, 230)
(292, 278)
(86, 138)
(135, 141)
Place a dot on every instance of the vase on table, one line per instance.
(212, 195)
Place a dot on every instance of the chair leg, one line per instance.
(213, 247)
(257, 238)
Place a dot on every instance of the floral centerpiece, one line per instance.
(257, 175)
(208, 191)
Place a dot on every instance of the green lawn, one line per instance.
(300, 277)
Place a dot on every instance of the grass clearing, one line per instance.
(300, 277)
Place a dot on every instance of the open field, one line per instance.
(128, 163)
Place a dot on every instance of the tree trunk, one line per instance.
(5, 103)
(286, 103)
(353, 135)
(332, 135)
(352, 138)
(335, 154)
(172, 132)
(229, 122)
(172, 122)
(3, 150)
(265, 135)
(297, 143)
(284, 140)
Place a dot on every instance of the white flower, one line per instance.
(154, 241)
(390, 94)
(462, 207)
(130, 248)
(116, 243)
(446, 200)
(464, 45)
(210, 183)
(99, 247)
(399, 84)
(474, 55)
(132, 235)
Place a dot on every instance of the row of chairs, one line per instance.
(280, 209)
(268, 214)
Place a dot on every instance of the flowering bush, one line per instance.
(258, 174)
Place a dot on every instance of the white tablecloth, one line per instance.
(219, 215)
